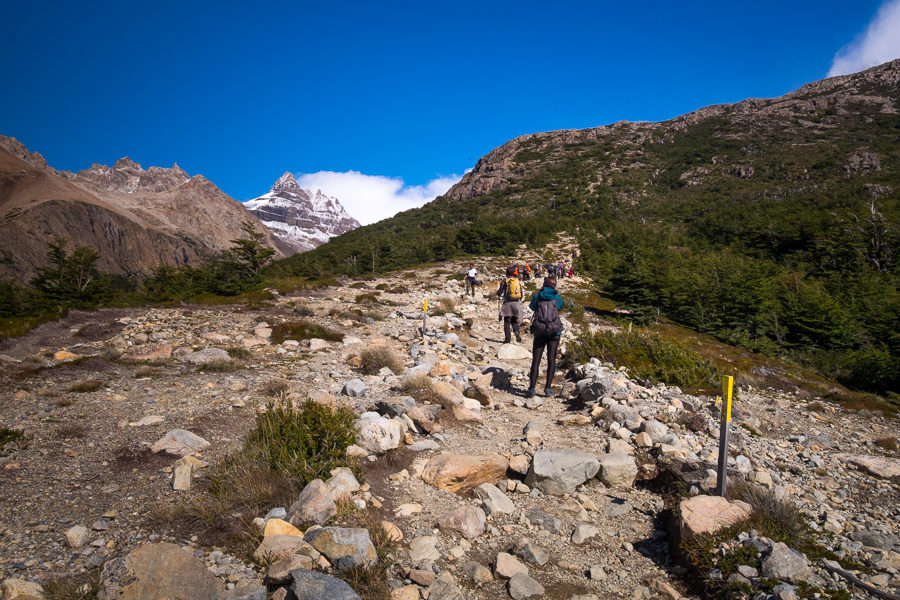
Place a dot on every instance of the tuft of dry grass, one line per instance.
(82, 387)
(370, 583)
(442, 306)
(375, 358)
(422, 389)
(275, 387)
(71, 431)
(145, 371)
(887, 443)
(240, 489)
(221, 366)
(78, 586)
(303, 330)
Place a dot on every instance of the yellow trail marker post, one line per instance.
(724, 432)
(424, 317)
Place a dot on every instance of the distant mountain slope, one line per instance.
(301, 219)
(136, 219)
(771, 223)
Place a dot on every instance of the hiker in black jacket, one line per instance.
(547, 329)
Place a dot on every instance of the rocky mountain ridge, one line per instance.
(487, 493)
(137, 219)
(509, 163)
(300, 218)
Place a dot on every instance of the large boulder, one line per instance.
(522, 587)
(342, 484)
(160, 570)
(444, 588)
(560, 470)
(462, 473)
(513, 352)
(493, 500)
(618, 470)
(21, 589)
(345, 547)
(879, 466)
(314, 505)
(355, 388)
(425, 417)
(180, 442)
(786, 564)
(377, 434)
(467, 520)
(709, 514)
(312, 585)
(207, 356)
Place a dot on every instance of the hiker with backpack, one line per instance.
(471, 279)
(510, 292)
(547, 329)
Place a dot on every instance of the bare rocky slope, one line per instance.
(562, 497)
(135, 218)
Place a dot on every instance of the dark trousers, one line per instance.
(514, 322)
(537, 352)
(470, 285)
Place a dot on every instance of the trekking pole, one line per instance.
(724, 431)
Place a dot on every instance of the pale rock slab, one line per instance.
(507, 565)
(345, 547)
(180, 442)
(618, 470)
(559, 471)
(312, 585)
(493, 500)
(709, 514)
(513, 352)
(467, 520)
(378, 434)
(314, 505)
(463, 473)
(522, 587)
(160, 570)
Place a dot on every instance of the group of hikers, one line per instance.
(546, 325)
(523, 272)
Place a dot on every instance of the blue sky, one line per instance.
(405, 92)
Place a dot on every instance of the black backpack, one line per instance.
(546, 319)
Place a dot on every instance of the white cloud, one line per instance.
(371, 198)
(879, 44)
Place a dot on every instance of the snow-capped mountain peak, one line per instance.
(302, 219)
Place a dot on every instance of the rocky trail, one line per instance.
(495, 495)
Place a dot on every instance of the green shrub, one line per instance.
(9, 436)
(648, 356)
(303, 330)
(306, 442)
(367, 298)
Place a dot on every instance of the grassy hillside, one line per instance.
(769, 224)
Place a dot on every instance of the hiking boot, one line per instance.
(548, 392)
(519, 338)
(530, 393)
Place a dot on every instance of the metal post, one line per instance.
(724, 431)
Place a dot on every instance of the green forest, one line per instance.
(778, 234)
